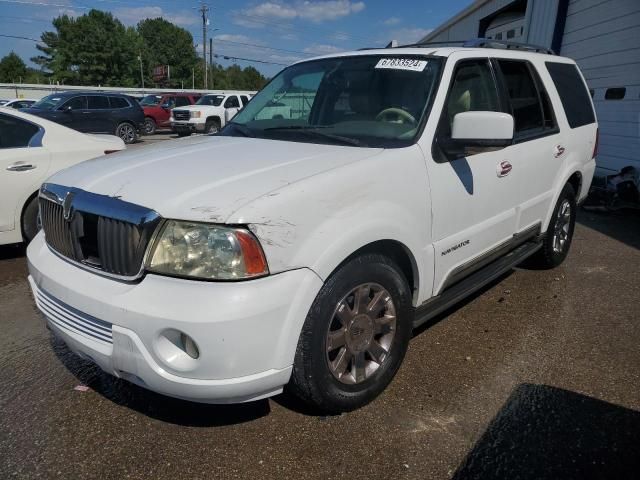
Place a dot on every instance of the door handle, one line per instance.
(20, 167)
(504, 168)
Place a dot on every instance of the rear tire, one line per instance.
(150, 126)
(127, 133)
(355, 336)
(30, 225)
(557, 240)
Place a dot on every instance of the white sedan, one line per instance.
(32, 149)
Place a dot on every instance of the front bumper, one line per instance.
(187, 127)
(246, 332)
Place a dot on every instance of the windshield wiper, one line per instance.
(243, 129)
(313, 130)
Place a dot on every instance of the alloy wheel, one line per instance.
(361, 333)
(562, 227)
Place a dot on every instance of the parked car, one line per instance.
(157, 109)
(19, 103)
(303, 251)
(208, 115)
(31, 149)
(93, 112)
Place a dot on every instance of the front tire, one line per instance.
(557, 240)
(212, 127)
(127, 133)
(355, 336)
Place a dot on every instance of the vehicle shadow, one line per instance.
(159, 407)
(10, 252)
(622, 225)
(544, 432)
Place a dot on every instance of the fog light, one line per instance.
(189, 346)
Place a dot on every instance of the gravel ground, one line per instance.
(537, 376)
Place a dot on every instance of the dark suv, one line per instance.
(93, 112)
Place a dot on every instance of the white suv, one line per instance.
(208, 115)
(355, 197)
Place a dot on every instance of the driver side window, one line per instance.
(472, 90)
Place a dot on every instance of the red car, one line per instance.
(157, 109)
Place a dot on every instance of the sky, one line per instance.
(275, 31)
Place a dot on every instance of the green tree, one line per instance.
(12, 69)
(93, 49)
(167, 44)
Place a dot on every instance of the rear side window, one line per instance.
(118, 102)
(573, 93)
(98, 102)
(523, 94)
(182, 101)
(15, 133)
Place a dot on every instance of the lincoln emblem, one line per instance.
(67, 207)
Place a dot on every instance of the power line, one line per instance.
(20, 38)
(255, 45)
(233, 57)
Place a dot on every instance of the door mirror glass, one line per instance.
(491, 129)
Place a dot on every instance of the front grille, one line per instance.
(68, 318)
(181, 115)
(100, 232)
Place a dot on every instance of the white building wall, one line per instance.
(604, 38)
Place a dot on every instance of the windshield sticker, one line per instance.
(402, 64)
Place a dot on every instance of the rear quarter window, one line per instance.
(573, 93)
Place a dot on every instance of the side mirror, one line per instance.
(166, 106)
(67, 109)
(479, 130)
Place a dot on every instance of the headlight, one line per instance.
(205, 251)
(195, 114)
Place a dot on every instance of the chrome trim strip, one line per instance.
(69, 318)
(476, 263)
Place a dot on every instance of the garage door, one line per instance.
(603, 36)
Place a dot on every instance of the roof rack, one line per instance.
(485, 43)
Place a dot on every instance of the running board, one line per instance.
(473, 282)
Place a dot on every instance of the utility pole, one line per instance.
(204, 8)
(211, 60)
(141, 74)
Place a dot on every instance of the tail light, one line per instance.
(595, 147)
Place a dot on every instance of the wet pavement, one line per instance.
(537, 376)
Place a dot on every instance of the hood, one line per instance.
(206, 178)
(196, 107)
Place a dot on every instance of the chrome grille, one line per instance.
(181, 115)
(100, 232)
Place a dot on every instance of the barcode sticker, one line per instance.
(402, 64)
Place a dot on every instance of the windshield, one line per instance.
(150, 100)
(373, 100)
(214, 100)
(48, 103)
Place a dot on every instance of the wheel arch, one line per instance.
(396, 251)
(213, 118)
(573, 177)
(23, 209)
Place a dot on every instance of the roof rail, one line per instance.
(484, 43)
